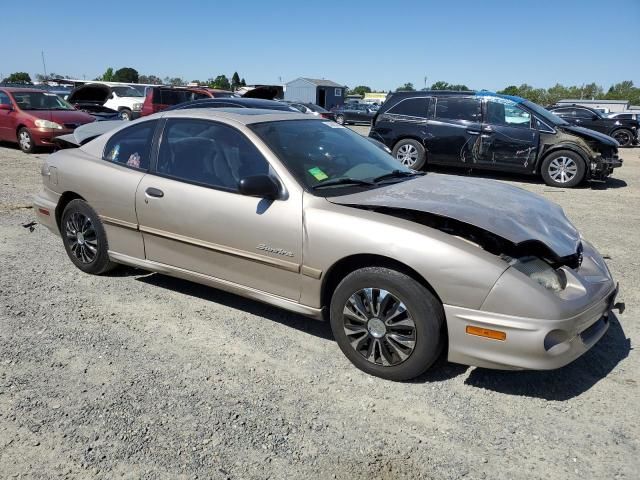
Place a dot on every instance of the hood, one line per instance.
(508, 212)
(85, 133)
(588, 134)
(67, 118)
(90, 93)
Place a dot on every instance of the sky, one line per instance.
(485, 44)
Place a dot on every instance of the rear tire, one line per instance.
(398, 334)
(410, 153)
(340, 119)
(84, 238)
(25, 141)
(563, 168)
(624, 137)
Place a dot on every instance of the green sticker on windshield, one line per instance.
(318, 174)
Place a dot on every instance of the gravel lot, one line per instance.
(138, 375)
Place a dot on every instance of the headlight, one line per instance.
(136, 107)
(541, 272)
(47, 124)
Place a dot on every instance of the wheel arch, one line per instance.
(65, 198)
(20, 127)
(410, 137)
(341, 268)
(567, 146)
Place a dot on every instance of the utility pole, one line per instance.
(44, 65)
(425, 82)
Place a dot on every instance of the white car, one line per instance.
(120, 97)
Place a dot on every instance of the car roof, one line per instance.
(24, 89)
(439, 93)
(244, 116)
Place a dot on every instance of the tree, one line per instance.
(510, 90)
(407, 87)
(220, 82)
(152, 79)
(441, 85)
(107, 76)
(243, 83)
(360, 90)
(175, 81)
(18, 77)
(624, 91)
(235, 81)
(126, 75)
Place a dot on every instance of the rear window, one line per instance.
(411, 107)
(131, 146)
(173, 97)
(458, 108)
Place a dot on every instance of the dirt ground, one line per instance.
(138, 375)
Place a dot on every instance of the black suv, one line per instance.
(485, 130)
(625, 131)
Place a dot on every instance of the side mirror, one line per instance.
(262, 186)
(4, 106)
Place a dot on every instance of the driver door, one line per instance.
(509, 139)
(192, 216)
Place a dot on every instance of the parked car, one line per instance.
(353, 113)
(32, 117)
(625, 131)
(236, 102)
(100, 113)
(626, 115)
(489, 131)
(121, 98)
(311, 109)
(401, 263)
(161, 97)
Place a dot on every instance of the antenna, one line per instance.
(44, 65)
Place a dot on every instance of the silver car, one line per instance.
(309, 216)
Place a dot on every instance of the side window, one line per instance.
(208, 153)
(458, 108)
(623, 116)
(4, 99)
(411, 107)
(583, 113)
(132, 146)
(507, 113)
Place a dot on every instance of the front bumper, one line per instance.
(43, 137)
(530, 343)
(602, 167)
(45, 209)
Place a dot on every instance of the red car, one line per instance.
(32, 118)
(160, 98)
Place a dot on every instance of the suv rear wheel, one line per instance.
(563, 168)
(410, 153)
(387, 323)
(624, 137)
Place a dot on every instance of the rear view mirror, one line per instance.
(262, 186)
(4, 106)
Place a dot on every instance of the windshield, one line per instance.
(322, 152)
(126, 92)
(544, 113)
(40, 101)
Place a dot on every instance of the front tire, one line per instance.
(340, 119)
(410, 153)
(386, 323)
(25, 141)
(126, 115)
(563, 168)
(84, 238)
(624, 137)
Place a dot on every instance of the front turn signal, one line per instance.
(486, 332)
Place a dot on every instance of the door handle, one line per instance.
(473, 132)
(154, 192)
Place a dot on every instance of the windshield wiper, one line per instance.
(396, 174)
(342, 181)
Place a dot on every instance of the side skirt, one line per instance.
(252, 293)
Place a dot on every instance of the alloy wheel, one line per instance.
(407, 155)
(622, 137)
(25, 140)
(82, 237)
(563, 169)
(340, 119)
(379, 327)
